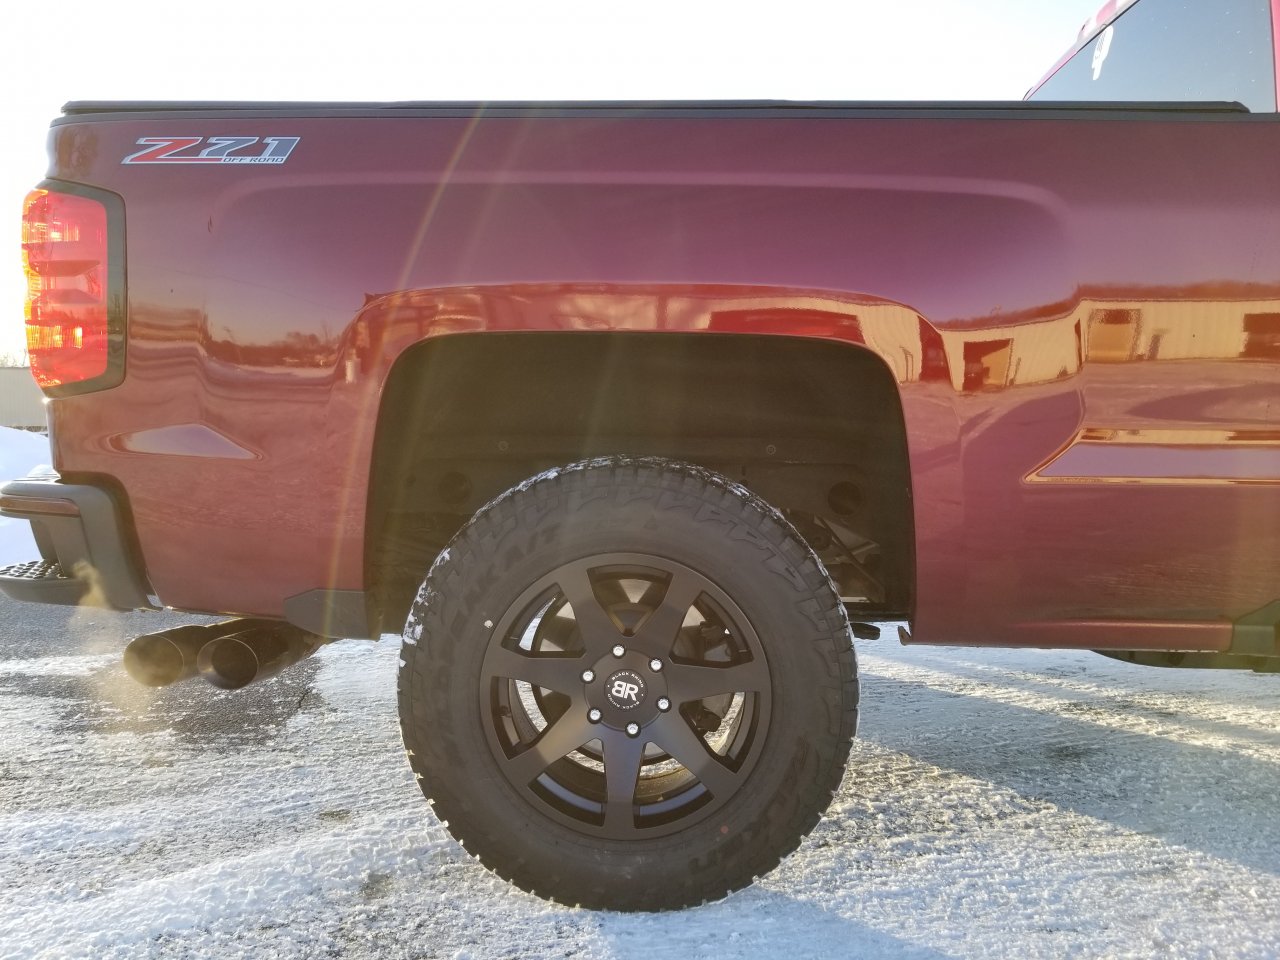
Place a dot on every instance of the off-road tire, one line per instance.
(683, 518)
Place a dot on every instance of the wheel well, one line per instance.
(812, 426)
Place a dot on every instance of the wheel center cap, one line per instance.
(625, 689)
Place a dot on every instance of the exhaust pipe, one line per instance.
(230, 655)
(266, 647)
(159, 659)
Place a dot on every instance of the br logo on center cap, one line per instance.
(625, 689)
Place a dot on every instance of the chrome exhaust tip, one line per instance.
(159, 659)
(247, 656)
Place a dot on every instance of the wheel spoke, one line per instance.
(597, 628)
(622, 757)
(657, 635)
(609, 592)
(559, 673)
(674, 735)
(568, 733)
(687, 682)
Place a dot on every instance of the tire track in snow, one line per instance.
(1017, 688)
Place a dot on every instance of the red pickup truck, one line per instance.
(631, 415)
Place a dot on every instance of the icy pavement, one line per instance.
(998, 803)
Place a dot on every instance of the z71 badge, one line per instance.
(213, 150)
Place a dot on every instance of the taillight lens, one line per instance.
(65, 255)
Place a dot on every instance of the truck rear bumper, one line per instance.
(85, 556)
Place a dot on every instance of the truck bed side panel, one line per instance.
(1100, 441)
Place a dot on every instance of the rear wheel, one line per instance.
(628, 684)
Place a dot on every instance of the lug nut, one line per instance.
(633, 729)
(655, 665)
(619, 650)
(588, 676)
(594, 715)
(664, 704)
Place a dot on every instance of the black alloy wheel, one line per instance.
(627, 694)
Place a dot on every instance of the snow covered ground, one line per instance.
(19, 452)
(998, 803)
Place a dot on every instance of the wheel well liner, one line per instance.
(810, 425)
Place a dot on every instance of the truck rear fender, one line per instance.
(783, 390)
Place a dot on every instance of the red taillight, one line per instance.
(65, 257)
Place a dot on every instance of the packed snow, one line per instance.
(998, 803)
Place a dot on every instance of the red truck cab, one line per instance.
(1169, 50)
